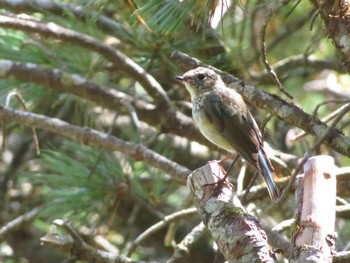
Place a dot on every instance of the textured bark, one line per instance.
(336, 16)
(316, 192)
(239, 236)
(87, 136)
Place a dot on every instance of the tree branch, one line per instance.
(79, 249)
(119, 60)
(284, 67)
(169, 120)
(28, 216)
(95, 138)
(288, 112)
(270, 70)
(156, 227)
(341, 257)
(336, 16)
(111, 26)
(238, 235)
(182, 249)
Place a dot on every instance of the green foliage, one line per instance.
(107, 190)
(81, 183)
(77, 181)
(164, 16)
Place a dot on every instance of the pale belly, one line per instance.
(210, 132)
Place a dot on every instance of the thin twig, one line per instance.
(312, 149)
(325, 119)
(79, 249)
(285, 66)
(341, 257)
(249, 186)
(182, 249)
(28, 216)
(314, 113)
(284, 225)
(313, 18)
(263, 50)
(102, 151)
(22, 102)
(156, 227)
(134, 117)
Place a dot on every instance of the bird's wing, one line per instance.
(232, 119)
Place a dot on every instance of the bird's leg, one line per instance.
(224, 180)
(251, 183)
(230, 167)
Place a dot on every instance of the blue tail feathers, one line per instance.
(266, 173)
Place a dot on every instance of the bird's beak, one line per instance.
(180, 78)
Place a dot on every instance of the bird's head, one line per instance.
(200, 80)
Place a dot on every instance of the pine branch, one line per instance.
(170, 120)
(110, 26)
(120, 60)
(92, 137)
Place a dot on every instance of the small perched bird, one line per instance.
(224, 119)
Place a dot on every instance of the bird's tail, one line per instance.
(274, 192)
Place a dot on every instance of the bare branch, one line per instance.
(284, 67)
(328, 85)
(167, 120)
(156, 227)
(22, 102)
(95, 138)
(308, 154)
(341, 257)
(111, 26)
(119, 60)
(263, 46)
(343, 210)
(10, 226)
(343, 174)
(182, 249)
(325, 119)
(79, 249)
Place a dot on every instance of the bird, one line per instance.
(224, 119)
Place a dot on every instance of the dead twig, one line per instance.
(4, 132)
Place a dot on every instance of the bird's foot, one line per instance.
(222, 177)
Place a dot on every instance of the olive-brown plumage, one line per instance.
(224, 119)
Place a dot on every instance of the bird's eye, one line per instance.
(201, 76)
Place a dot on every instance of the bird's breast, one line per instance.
(208, 129)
